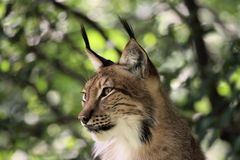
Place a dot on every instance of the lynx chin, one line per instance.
(128, 113)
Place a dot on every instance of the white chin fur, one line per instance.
(123, 139)
(102, 136)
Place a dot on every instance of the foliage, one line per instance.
(195, 46)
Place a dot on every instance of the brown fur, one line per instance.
(135, 105)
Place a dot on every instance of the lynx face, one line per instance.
(117, 101)
(112, 97)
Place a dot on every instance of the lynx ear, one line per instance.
(95, 59)
(135, 58)
(133, 55)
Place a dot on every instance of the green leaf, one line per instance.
(203, 106)
(96, 40)
(181, 33)
(118, 37)
(224, 89)
(149, 39)
(41, 84)
(111, 55)
(235, 77)
(2, 9)
(5, 66)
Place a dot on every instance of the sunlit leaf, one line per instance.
(224, 89)
(111, 55)
(5, 154)
(5, 66)
(41, 84)
(181, 33)
(2, 9)
(203, 106)
(96, 40)
(235, 77)
(149, 39)
(70, 142)
(118, 37)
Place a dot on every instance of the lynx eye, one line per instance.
(84, 97)
(106, 91)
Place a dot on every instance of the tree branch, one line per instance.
(83, 17)
(197, 34)
(57, 64)
(204, 58)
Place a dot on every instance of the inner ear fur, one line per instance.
(135, 58)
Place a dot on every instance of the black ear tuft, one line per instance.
(127, 27)
(85, 38)
(96, 60)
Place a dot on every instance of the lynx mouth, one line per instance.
(106, 127)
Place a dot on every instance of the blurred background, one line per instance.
(194, 44)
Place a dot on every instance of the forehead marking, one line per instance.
(95, 80)
(91, 85)
(104, 81)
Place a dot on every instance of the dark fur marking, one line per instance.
(124, 91)
(123, 104)
(127, 27)
(86, 41)
(100, 128)
(149, 106)
(145, 133)
(97, 158)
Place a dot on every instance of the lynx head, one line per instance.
(118, 100)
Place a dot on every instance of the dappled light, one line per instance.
(195, 46)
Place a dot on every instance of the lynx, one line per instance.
(127, 111)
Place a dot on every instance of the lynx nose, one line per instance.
(85, 116)
(84, 119)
